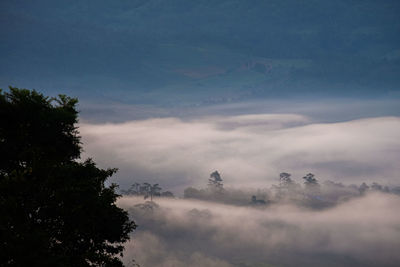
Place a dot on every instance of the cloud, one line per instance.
(360, 232)
(149, 250)
(248, 150)
(321, 109)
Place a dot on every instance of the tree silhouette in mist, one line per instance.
(215, 181)
(55, 210)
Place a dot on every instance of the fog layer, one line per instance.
(174, 232)
(248, 150)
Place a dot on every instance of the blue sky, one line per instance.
(201, 53)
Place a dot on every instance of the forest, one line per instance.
(311, 193)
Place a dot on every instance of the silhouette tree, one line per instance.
(147, 190)
(285, 180)
(377, 187)
(136, 187)
(363, 188)
(256, 201)
(144, 188)
(310, 180)
(133, 190)
(215, 181)
(311, 183)
(54, 210)
(152, 190)
(287, 187)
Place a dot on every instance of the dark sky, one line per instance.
(201, 52)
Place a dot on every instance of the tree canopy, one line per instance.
(215, 181)
(55, 208)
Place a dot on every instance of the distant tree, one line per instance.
(377, 187)
(363, 188)
(147, 190)
(152, 190)
(167, 194)
(54, 210)
(386, 189)
(256, 201)
(215, 181)
(311, 183)
(310, 179)
(135, 188)
(353, 187)
(285, 180)
(287, 187)
(395, 190)
(329, 183)
(192, 192)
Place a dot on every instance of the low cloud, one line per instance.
(361, 232)
(248, 150)
(147, 249)
(321, 109)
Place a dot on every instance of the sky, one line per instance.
(190, 53)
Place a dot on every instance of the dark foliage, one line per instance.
(147, 190)
(55, 210)
(311, 195)
(215, 181)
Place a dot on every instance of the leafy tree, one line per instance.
(144, 188)
(286, 182)
(377, 187)
(363, 188)
(256, 201)
(152, 190)
(287, 187)
(54, 209)
(311, 183)
(215, 181)
(284, 179)
(147, 190)
(133, 190)
(310, 180)
(192, 192)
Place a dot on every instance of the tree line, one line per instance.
(310, 192)
(146, 190)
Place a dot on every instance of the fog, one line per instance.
(285, 225)
(321, 109)
(248, 150)
(363, 231)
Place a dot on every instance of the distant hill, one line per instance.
(199, 52)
